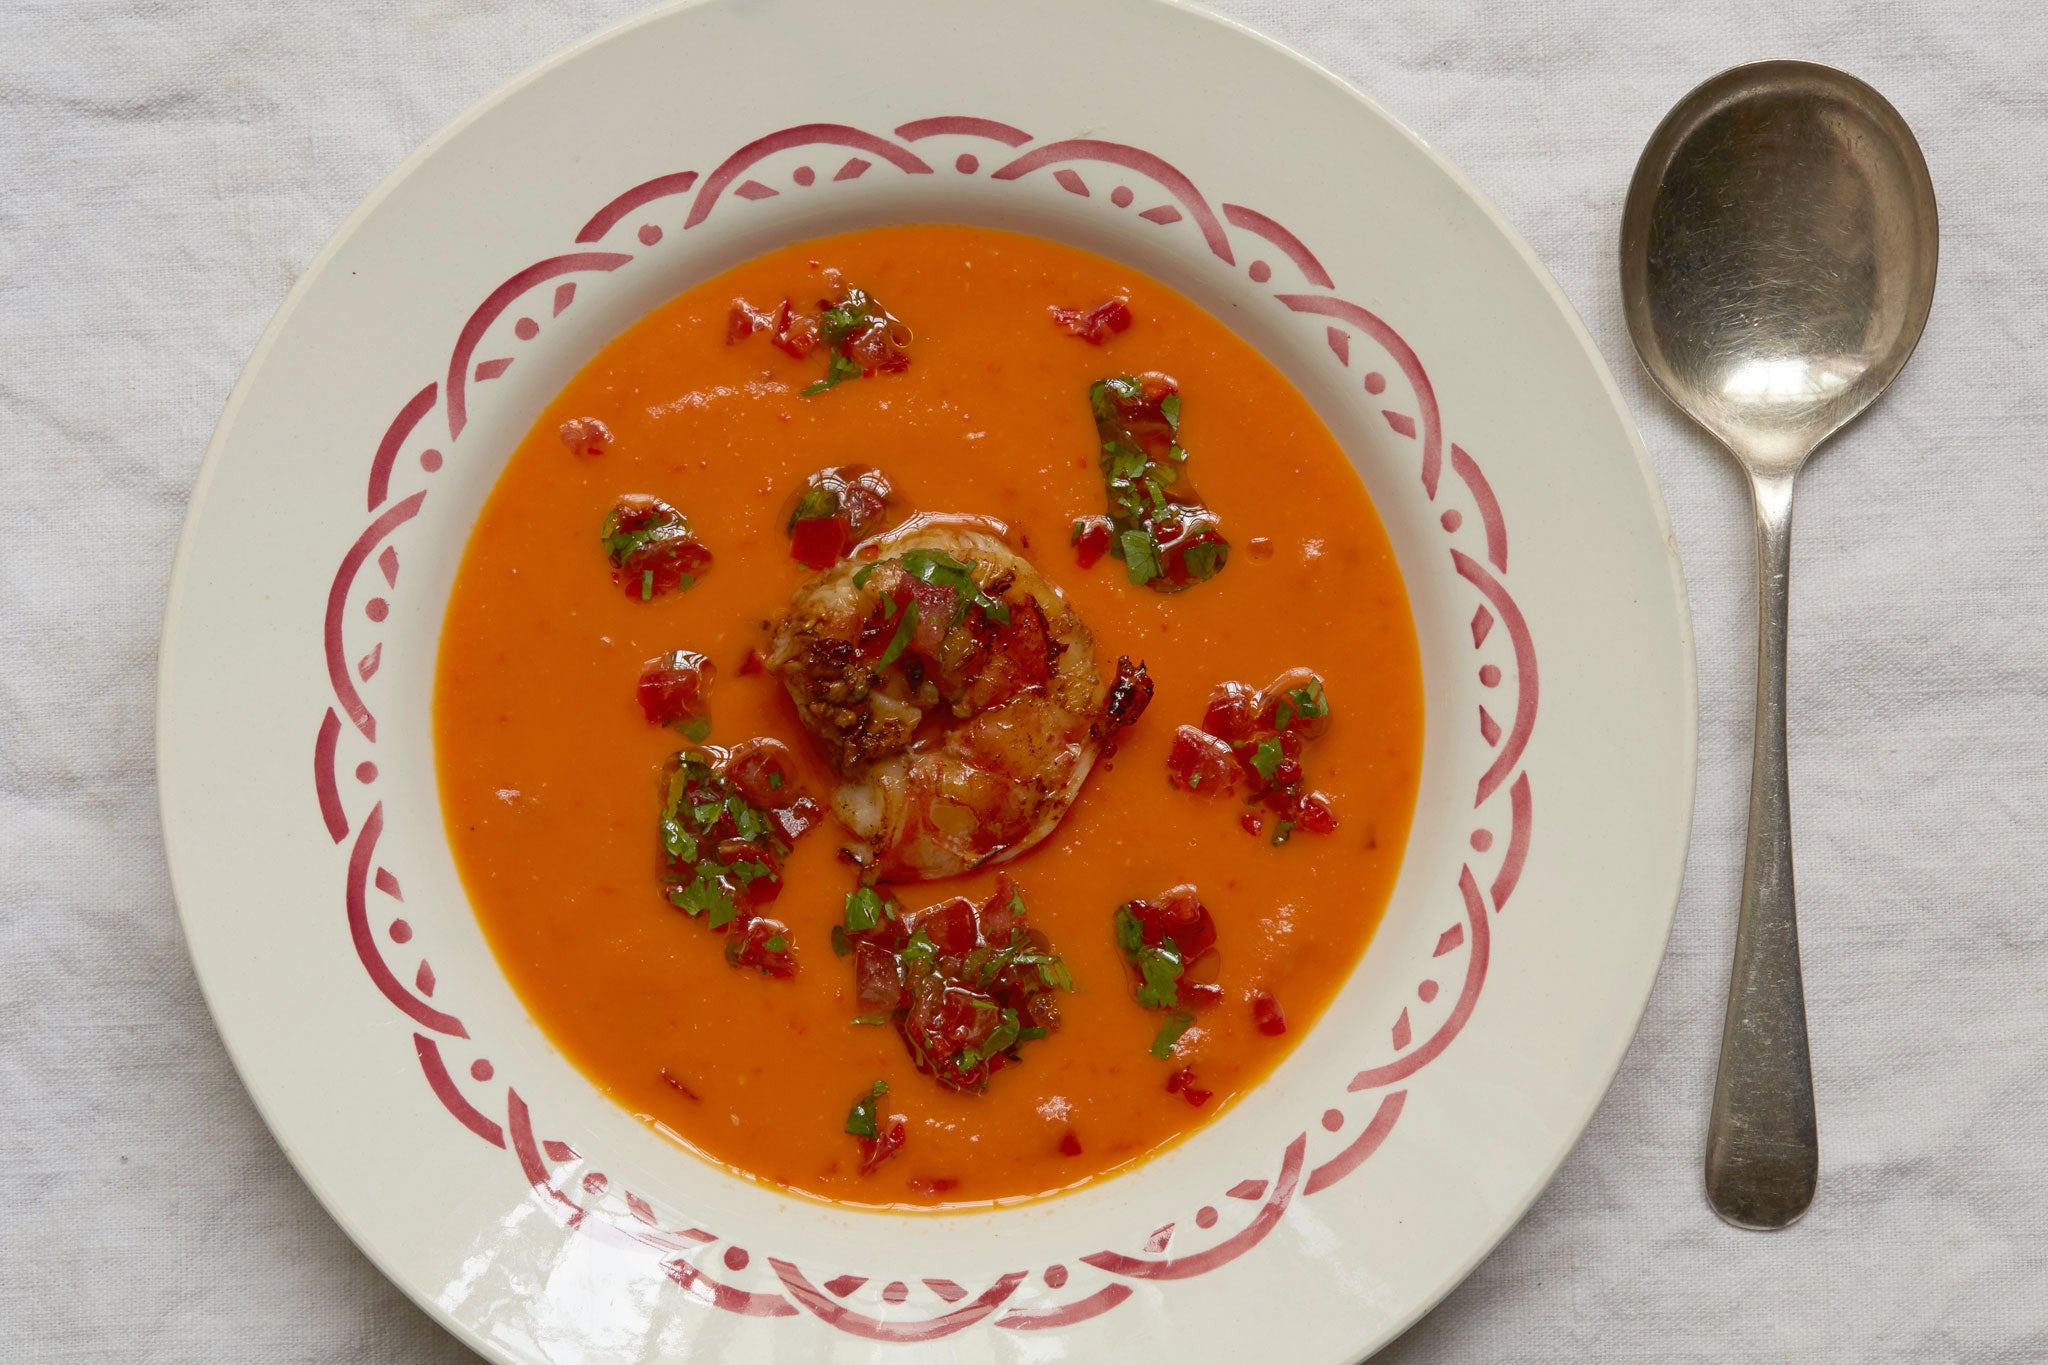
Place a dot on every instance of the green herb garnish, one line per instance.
(1177, 1023)
(860, 1120)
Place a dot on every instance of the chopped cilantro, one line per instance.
(900, 641)
(1283, 831)
(647, 585)
(860, 1120)
(842, 946)
(840, 369)
(1267, 758)
(777, 944)
(822, 501)
(774, 780)
(704, 894)
(1169, 408)
(1206, 560)
(1000, 1040)
(863, 910)
(1177, 1023)
(917, 954)
(1054, 973)
(696, 729)
(676, 841)
(942, 570)
(748, 822)
(1140, 556)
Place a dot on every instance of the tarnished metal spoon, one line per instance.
(1777, 263)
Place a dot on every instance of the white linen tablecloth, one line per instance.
(167, 170)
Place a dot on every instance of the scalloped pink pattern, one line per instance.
(711, 1269)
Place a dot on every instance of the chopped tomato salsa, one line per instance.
(1266, 1014)
(651, 548)
(728, 820)
(1259, 736)
(1090, 540)
(965, 988)
(1095, 325)
(673, 690)
(1159, 527)
(838, 507)
(586, 436)
(1161, 942)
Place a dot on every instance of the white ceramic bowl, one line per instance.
(486, 1175)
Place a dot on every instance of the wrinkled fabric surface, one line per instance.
(167, 170)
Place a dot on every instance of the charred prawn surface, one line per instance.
(954, 692)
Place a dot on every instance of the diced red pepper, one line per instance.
(1251, 822)
(752, 664)
(1096, 324)
(586, 437)
(796, 333)
(877, 980)
(676, 1084)
(1233, 712)
(1266, 1014)
(876, 1150)
(673, 688)
(1070, 1145)
(1316, 815)
(949, 925)
(1200, 762)
(755, 944)
(1090, 540)
(1201, 994)
(764, 772)
(820, 541)
(1180, 916)
(744, 320)
(1182, 1083)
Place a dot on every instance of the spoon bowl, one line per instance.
(1778, 251)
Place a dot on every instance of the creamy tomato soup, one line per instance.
(928, 717)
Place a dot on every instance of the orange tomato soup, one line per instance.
(550, 775)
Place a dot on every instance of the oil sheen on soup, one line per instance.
(928, 717)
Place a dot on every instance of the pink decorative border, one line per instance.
(715, 1270)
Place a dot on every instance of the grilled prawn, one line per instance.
(955, 693)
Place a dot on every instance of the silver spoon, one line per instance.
(1777, 263)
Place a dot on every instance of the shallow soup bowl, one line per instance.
(484, 1173)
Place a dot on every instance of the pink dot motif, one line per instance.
(1121, 196)
(1260, 272)
(1375, 382)
(1489, 676)
(736, 1258)
(650, 233)
(401, 932)
(1452, 519)
(967, 163)
(1482, 840)
(376, 609)
(804, 175)
(526, 329)
(366, 772)
(430, 460)
(481, 1070)
(1333, 1119)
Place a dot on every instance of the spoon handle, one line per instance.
(1762, 1152)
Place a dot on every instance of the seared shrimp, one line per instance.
(955, 693)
